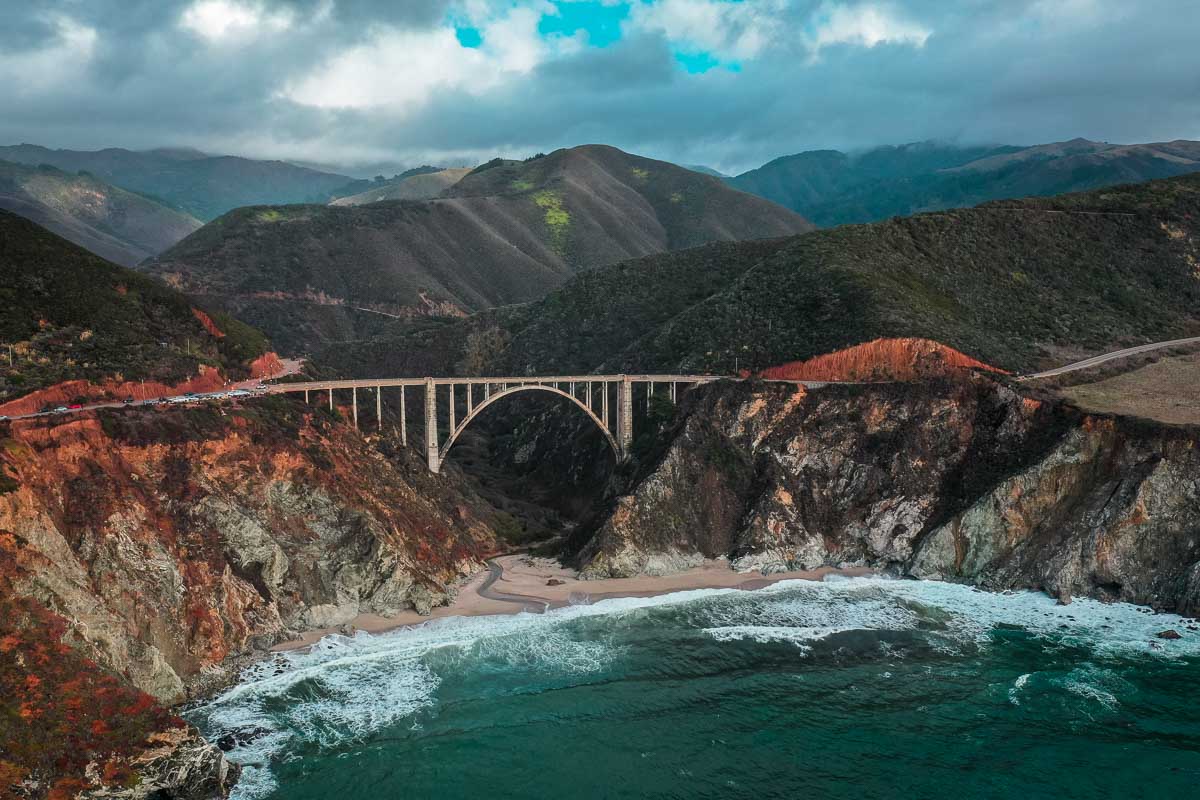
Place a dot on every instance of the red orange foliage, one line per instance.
(880, 360)
(208, 324)
(60, 711)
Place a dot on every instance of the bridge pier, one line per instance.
(431, 436)
(379, 407)
(403, 420)
(354, 404)
(625, 416)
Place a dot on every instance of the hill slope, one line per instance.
(423, 186)
(115, 224)
(1015, 284)
(201, 185)
(508, 232)
(71, 315)
(832, 188)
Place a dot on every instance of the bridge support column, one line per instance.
(354, 404)
(604, 407)
(672, 392)
(431, 440)
(403, 420)
(452, 423)
(379, 407)
(625, 416)
(470, 400)
(331, 399)
(306, 397)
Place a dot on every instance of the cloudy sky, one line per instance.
(728, 83)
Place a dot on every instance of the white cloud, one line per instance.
(222, 20)
(400, 69)
(726, 29)
(863, 25)
(61, 61)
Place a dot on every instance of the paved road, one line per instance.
(1095, 360)
(495, 573)
(290, 367)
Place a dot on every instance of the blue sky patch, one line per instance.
(696, 63)
(468, 36)
(601, 22)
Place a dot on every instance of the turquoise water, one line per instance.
(862, 688)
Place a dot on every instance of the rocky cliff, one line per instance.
(160, 545)
(964, 480)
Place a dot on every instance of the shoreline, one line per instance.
(517, 583)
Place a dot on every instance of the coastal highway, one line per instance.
(1097, 360)
(291, 366)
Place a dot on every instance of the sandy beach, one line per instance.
(516, 583)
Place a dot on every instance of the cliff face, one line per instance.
(964, 480)
(168, 542)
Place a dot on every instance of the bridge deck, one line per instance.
(512, 380)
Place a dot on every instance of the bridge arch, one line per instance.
(528, 387)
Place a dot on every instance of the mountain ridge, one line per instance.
(122, 226)
(199, 184)
(506, 232)
(834, 188)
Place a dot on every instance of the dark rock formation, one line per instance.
(967, 481)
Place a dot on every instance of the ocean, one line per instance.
(845, 688)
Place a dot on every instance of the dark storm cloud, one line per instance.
(842, 74)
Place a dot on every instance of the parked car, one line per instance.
(61, 410)
(75, 406)
(239, 393)
(3, 418)
(128, 400)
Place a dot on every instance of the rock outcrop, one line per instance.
(170, 543)
(965, 480)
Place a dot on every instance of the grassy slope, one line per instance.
(1012, 283)
(421, 186)
(69, 314)
(509, 232)
(116, 224)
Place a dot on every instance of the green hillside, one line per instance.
(113, 223)
(1015, 283)
(833, 188)
(198, 184)
(68, 314)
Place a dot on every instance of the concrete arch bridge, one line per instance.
(608, 400)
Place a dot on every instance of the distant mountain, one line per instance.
(198, 184)
(113, 223)
(422, 186)
(833, 188)
(67, 314)
(1015, 283)
(703, 170)
(508, 232)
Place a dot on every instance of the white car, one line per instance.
(239, 393)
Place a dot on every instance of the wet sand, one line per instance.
(516, 583)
